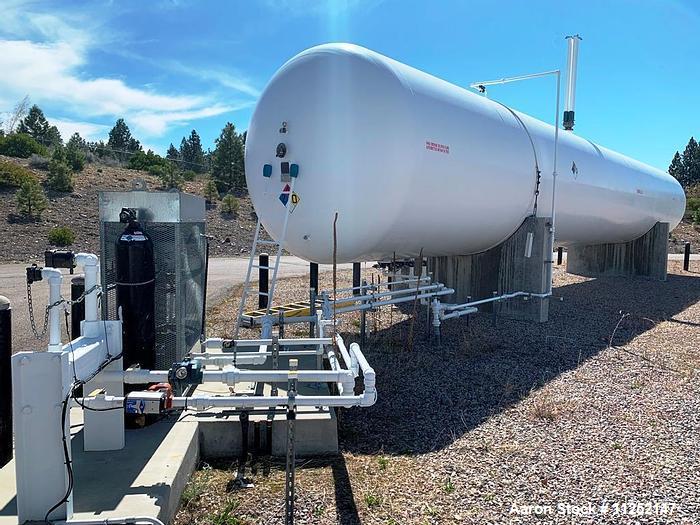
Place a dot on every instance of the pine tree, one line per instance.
(193, 154)
(77, 142)
(211, 194)
(59, 178)
(120, 138)
(228, 170)
(677, 169)
(75, 152)
(184, 149)
(173, 153)
(31, 201)
(691, 163)
(36, 126)
(52, 138)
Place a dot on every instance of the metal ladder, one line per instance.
(247, 289)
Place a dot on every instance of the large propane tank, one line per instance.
(411, 162)
(135, 287)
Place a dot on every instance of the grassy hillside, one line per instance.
(25, 240)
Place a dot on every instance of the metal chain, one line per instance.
(31, 315)
(49, 307)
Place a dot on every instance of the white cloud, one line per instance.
(46, 56)
(232, 80)
(155, 123)
(50, 72)
(87, 130)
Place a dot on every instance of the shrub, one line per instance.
(168, 175)
(211, 194)
(60, 178)
(157, 171)
(14, 175)
(38, 162)
(31, 201)
(692, 204)
(20, 145)
(229, 205)
(189, 175)
(696, 216)
(144, 161)
(61, 236)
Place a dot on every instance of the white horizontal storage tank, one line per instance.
(411, 162)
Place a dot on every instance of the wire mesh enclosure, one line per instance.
(175, 222)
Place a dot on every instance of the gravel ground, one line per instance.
(598, 409)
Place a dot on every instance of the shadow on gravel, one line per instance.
(432, 395)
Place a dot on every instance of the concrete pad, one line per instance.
(316, 431)
(146, 478)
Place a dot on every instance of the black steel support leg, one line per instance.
(5, 381)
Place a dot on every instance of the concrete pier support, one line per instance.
(646, 256)
(517, 264)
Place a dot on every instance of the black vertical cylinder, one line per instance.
(135, 286)
(203, 328)
(77, 310)
(313, 276)
(686, 256)
(356, 278)
(263, 279)
(5, 381)
(560, 255)
(312, 311)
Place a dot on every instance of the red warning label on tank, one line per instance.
(436, 146)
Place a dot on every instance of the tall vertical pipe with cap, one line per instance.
(571, 66)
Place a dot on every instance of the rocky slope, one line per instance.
(25, 241)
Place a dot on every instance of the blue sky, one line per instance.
(170, 66)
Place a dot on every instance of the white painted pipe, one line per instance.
(205, 402)
(370, 305)
(392, 293)
(369, 397)
(459, 313)
(345, 354)
(130, 520)
(354, 364)
(232, 376)
(90, 264)
(54, 278)
(248, 358)
(335, 365)
(241, 343)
